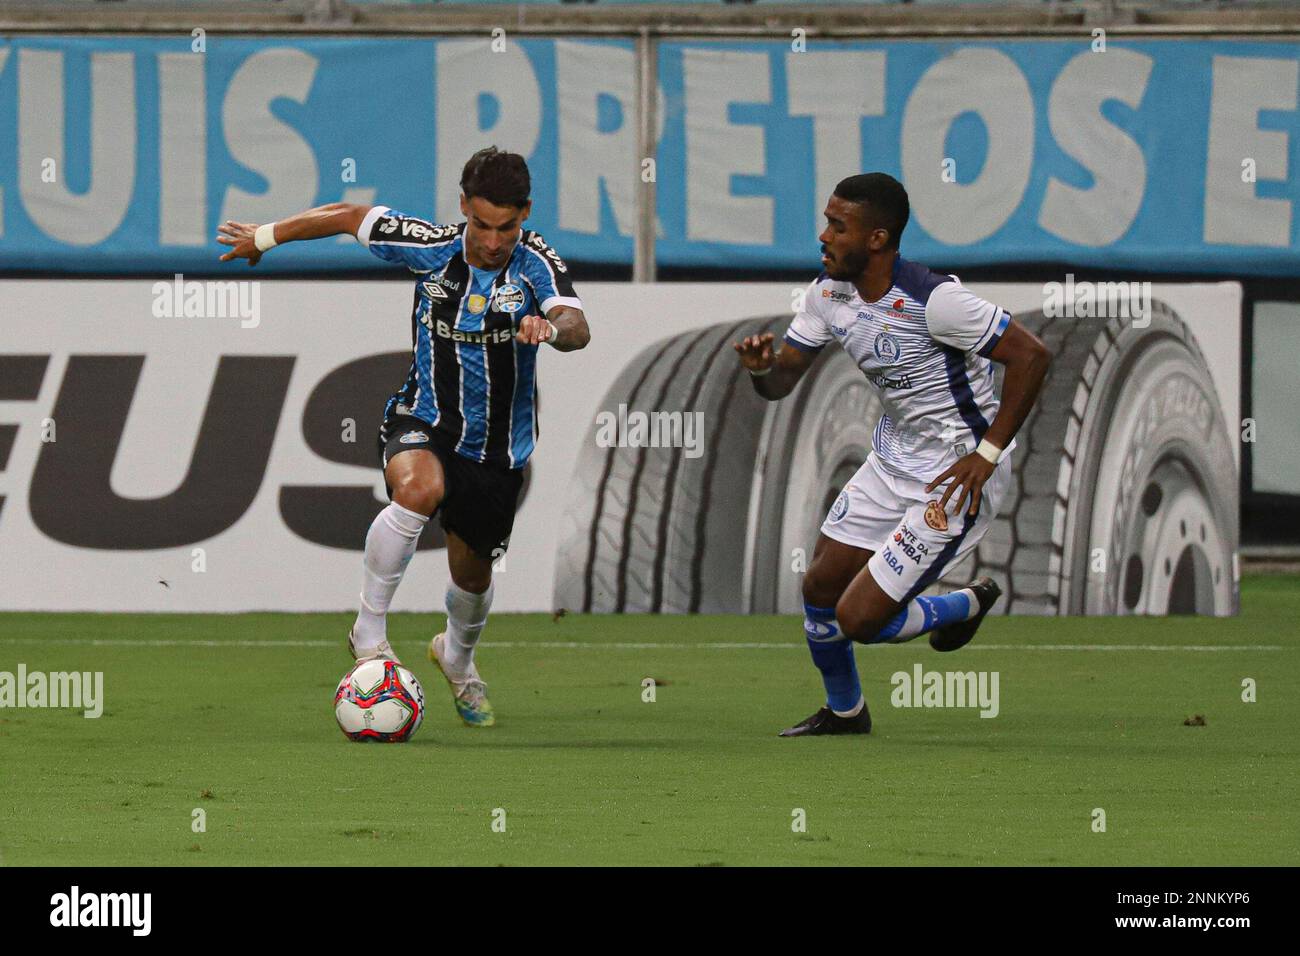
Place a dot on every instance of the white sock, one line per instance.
(390, 545)
(467, 612)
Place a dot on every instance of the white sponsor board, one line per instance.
(258, 562)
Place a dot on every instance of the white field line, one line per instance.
(632, 646)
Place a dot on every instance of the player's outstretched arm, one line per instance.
(774, 372)
(564, 327)
(333, 219)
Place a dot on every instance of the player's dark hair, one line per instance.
(499, 177)
(885, 200)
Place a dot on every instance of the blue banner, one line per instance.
(123, 154)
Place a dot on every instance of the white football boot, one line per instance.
(383, 652)
(469, 693)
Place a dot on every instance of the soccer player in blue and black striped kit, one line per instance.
(458, 432)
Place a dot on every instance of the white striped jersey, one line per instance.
(924, 345)
(469, 378)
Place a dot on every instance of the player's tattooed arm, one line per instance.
(774, 372)
(569, 323)
(1027, 360)
(332, 219)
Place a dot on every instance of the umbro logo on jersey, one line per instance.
(435, 291)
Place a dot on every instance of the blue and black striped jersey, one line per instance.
(469, 378)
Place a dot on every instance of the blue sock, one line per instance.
(924, 614)
(833, 656)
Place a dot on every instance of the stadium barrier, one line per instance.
(210, 447)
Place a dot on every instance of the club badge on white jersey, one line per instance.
(924, 345)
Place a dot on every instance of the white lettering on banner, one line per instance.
(1235, 214)
(592, 161)
(718, 149)
(79, 219)
(1101, 214)
(462, 78)
(183, 151)
(261, 142)
(859, 81)
(1095, 175)
(989, 84)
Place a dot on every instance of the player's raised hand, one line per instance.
(533, 330)
(968, 473)
(239, 235)
(756, 352)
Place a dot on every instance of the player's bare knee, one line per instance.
(475, 581)
(419, 493)
(818, 590)
(854, 623)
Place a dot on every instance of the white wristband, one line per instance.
(988, 451)
(555, 332)
(766, 371)
(264, 238)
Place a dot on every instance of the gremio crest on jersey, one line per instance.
(508, 298)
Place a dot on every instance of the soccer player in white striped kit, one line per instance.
(927, 344)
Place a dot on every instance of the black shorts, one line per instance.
(479, 500)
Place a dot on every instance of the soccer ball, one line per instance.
(379, 700)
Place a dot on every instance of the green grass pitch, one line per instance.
(233, 715)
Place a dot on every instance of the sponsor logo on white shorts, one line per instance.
(413, 438)
(841, 506)
(909, 545)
